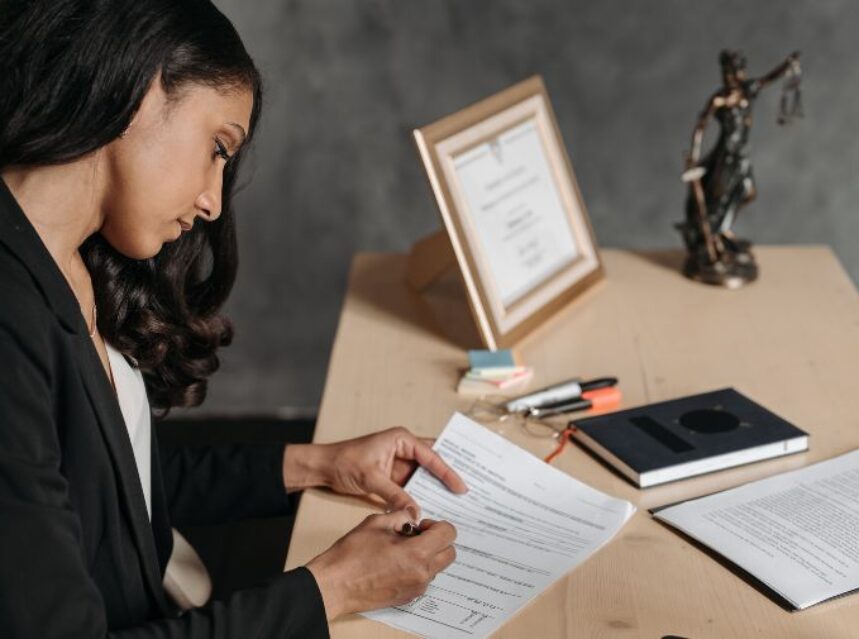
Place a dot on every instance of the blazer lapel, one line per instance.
(112, 425)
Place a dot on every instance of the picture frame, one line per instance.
(512, 210)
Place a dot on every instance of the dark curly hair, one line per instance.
(72, 75)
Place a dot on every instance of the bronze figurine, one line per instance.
(721, 183)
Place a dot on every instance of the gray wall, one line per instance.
(334, 170)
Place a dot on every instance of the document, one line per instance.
(797, 532)
(522, 525)
(516, 210)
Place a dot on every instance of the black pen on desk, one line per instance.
(601, 382)
(562, 393)
(599, 391)
(409, 530)
(602, 398)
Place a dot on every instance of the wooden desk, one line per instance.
(790, 341)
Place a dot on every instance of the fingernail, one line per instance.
(413, 512)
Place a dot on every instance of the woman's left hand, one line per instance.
(377, 464)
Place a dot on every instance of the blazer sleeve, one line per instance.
(46, 590)
(213, 484)
(280, 609)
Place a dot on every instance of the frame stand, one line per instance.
(429, 259)
(432, 273)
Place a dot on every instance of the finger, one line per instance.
(438, 535)
(426, 523)
(395, 497)
(391, 521)
(443, 559)
(402, 470)
(431, 460)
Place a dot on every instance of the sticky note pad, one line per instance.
(491, 359)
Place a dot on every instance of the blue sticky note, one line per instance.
(491, 359)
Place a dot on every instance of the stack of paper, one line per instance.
(522, 526)
(492, 371)
(795, 533)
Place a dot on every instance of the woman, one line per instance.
(122, 124)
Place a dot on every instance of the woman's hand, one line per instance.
(374, 567)
(377, 464)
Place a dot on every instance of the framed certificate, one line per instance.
(512, 210)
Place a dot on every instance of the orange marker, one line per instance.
(600, 399)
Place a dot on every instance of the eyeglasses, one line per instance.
(491, 412)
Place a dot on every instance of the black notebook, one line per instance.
(672, 440)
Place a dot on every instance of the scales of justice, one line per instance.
(722, 182)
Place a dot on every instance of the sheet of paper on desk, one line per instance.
(522, 525)
(797, 532)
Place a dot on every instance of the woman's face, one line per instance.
(167, 169)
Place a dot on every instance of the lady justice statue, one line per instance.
(722, 182)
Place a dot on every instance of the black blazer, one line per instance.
(78, 554)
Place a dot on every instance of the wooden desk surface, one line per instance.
(789, 341)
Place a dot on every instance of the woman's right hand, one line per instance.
(373, 566)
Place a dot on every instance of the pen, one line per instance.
(601, 382)
(558, 393)
(601, 398)
(409, 530)
(594, 388)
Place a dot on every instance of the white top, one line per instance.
(131, 392)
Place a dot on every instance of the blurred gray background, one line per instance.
(334, 170)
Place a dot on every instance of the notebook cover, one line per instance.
(688, 429)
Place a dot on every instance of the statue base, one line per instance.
(732, 270)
